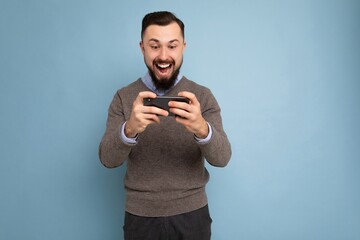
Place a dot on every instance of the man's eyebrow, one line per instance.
(157, 41)
(175, 40)
(153, 40)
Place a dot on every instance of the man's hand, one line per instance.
(141, 116)
(190, 115)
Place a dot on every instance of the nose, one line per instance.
(163, 55)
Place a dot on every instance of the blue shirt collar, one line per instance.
(149, 83)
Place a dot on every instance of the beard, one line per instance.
(164, 83)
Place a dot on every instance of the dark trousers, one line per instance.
(195, 225)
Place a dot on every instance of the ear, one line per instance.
(141, 44)
(184, 47)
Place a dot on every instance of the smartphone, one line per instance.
(163, 102)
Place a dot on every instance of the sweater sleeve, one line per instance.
(112, 150)
(217, 151)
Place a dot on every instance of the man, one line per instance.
(165, 177)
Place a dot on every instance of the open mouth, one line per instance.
(163, 67)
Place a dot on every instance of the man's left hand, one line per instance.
(189, 115)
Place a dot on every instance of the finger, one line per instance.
(180, 113)
(155, 110)
(181, 105)
(151, 118)
(191, 96)
(145, 94)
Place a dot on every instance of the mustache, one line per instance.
(159, 61)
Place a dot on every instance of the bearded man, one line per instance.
(166, 175)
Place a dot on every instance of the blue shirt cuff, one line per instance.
(207, 139)
(126, 139)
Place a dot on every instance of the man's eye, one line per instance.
(154, 47)
(172, 46)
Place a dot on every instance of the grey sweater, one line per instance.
(165, 172)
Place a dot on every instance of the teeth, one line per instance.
(164, 65)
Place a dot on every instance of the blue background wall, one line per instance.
(286, 74)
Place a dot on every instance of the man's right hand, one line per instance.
(141, 116)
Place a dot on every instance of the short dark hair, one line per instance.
(162, 18)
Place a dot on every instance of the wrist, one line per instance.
(203, 131)
(129, 132)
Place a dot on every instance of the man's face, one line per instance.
(163, 48)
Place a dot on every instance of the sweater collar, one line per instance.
(160, 92)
